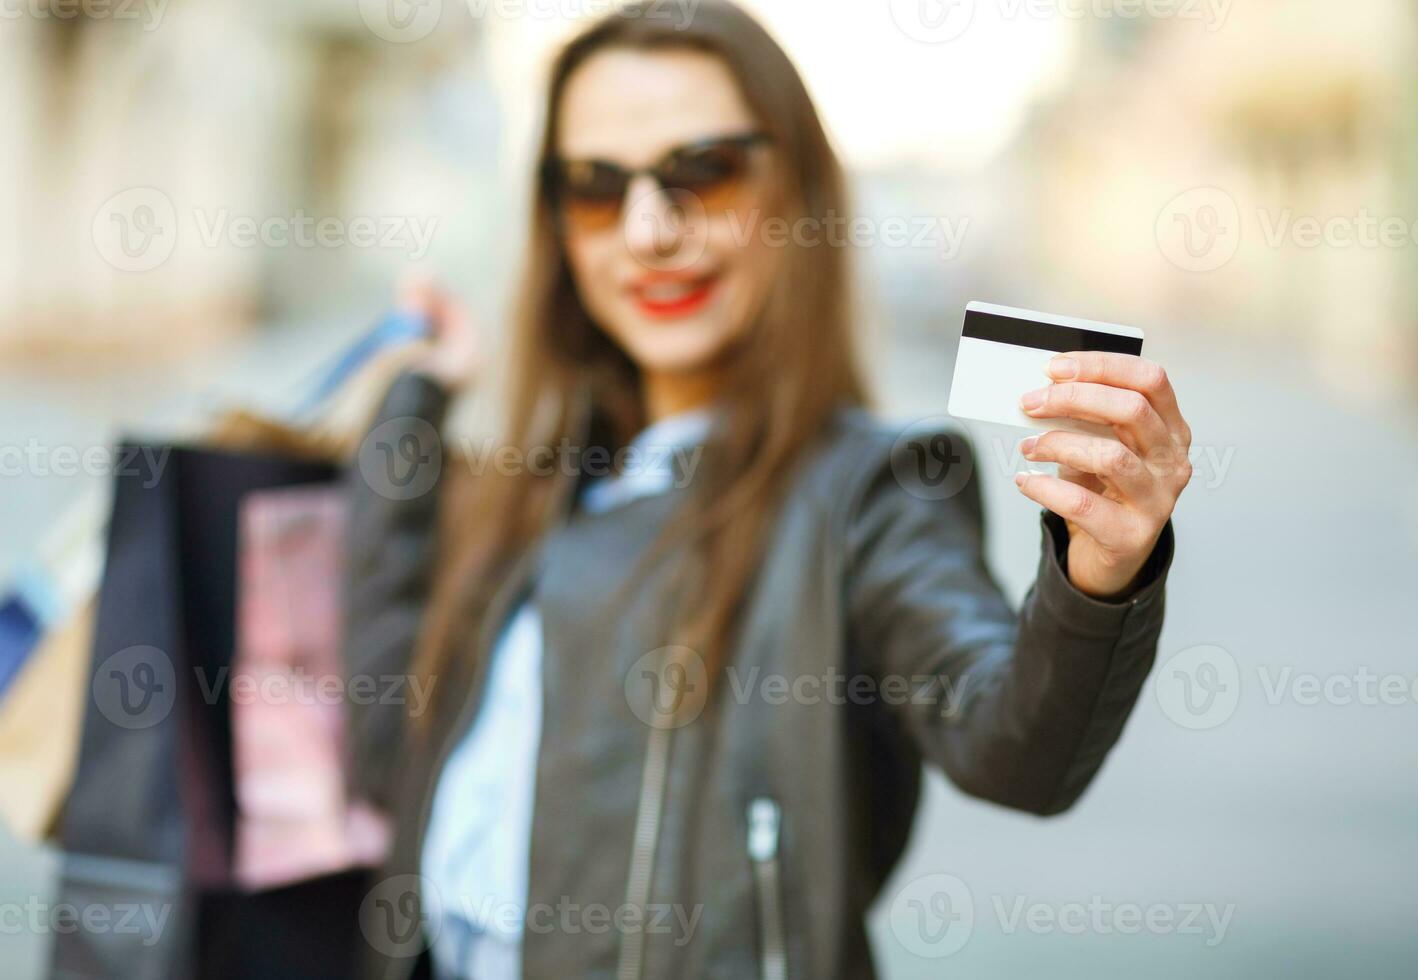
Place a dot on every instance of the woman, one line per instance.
(681, 704)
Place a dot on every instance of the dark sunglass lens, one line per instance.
(589, 193)
(704, 167)
(591, 180)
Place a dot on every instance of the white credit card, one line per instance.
(1004, 352)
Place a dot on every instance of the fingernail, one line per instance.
(1063, 367)
(1033, 400)
(1027, 446)
(1019, 479)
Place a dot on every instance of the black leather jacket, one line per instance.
(874, 639)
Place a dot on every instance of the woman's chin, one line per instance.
(682, 348)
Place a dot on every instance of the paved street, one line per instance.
(1297, 549)
(1300, 557)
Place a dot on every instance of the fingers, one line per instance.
(1148, 378)
(1106, 521)
(1126, 409)
(1106, 459)
(418, 293)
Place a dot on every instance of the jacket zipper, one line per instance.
(642, 853)
(765, 818)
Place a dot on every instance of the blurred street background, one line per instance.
(1237, 177)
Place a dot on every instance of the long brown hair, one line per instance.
(785, 379)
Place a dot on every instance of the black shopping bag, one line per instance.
(154, 778)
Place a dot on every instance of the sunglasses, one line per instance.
(710, 174)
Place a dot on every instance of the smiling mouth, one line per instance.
(674, 297)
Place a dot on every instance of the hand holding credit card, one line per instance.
(1108, 417)
(1004, 352)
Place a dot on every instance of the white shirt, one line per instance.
(476, 851)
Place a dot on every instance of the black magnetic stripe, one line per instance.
(1045, 336)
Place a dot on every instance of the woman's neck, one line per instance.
(666, 394)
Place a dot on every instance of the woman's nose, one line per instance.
(653, 223)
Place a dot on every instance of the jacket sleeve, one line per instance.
(1019, 710)
(389, 561)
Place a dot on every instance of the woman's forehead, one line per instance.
(632, 106)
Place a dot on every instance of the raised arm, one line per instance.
(390, 553)
(1019, 710)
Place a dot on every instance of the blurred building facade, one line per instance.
(260, 114)
(234, 128)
